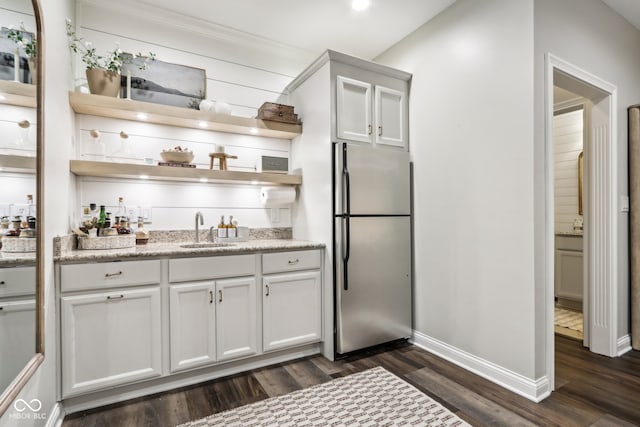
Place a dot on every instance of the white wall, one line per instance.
(589, 35)
(567, 146)
(471, 133)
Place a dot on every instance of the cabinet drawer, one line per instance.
(290, 261)
(109, 275)
(188, 269)
(17, 281)
(569, 243)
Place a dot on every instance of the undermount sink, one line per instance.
(204, 245)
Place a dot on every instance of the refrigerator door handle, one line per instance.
(346, 182)
(346, 254)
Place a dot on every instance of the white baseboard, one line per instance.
(535, 390)
(623, 345)
(55, 416)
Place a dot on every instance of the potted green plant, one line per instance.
(27, 41)
(103, 72)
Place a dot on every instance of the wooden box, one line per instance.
(277, 112)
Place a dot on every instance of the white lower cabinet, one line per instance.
(236, 317)
(212, 321)
(291, 309)
(192, 325)
(110, 338)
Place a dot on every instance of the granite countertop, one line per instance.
(13, 259)
(176, 250)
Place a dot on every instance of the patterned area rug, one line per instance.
(568, 319)
(371, 398)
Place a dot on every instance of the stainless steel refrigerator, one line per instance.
(372, 246)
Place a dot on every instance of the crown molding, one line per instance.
(197, 26)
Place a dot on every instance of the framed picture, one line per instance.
(164, 83)
(7, 49)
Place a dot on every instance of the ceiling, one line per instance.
(313, 25)
(629, 9)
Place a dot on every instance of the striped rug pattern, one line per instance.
(374, 397)
(568, 319)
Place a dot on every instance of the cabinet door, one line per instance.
(568, 274)
(291, 309)
(390, 117)
(236, 318)
(17, 329)
(353, 109)
(192, 325)
(109, 339)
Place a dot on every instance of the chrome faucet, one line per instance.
(198, 215)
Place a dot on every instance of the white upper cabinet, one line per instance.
(390, 116)
(358, 103)
(353, 109)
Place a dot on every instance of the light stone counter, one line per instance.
(13, 259)
(151, 250)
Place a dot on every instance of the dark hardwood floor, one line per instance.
(591, 390)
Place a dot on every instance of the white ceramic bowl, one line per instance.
(177, 156)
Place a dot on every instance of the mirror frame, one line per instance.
(12, 391)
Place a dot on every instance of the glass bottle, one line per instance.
(122, 209)
(231, 229)
(102, 217)
(142, 235)
(4, 225)
(222, 228)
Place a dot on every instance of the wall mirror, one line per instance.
(21, 207)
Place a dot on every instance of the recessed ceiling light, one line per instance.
(253, 131)
(2, 97)
(360, 4)
(254, 182)
(144, 176)
(203, 124)
(142, 116)
(204, 180)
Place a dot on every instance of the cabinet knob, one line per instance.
(2, 282)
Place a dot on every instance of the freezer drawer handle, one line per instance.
(107, 275)
(293, 262)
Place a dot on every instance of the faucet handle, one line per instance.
(213, 234)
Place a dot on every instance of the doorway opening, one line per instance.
(599, 209)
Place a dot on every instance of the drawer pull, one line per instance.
(2, 282)
(107, 275)
(210, 297)
(220, 295)
(369, 129)
(267, 286)
(113, 297)
(379, 130)
(293, 262)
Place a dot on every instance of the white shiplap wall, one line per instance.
(241, 73)
(567, 145)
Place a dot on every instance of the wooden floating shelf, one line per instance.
(171, 173)
(16, 93)
(117, 108)
(16, 163)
